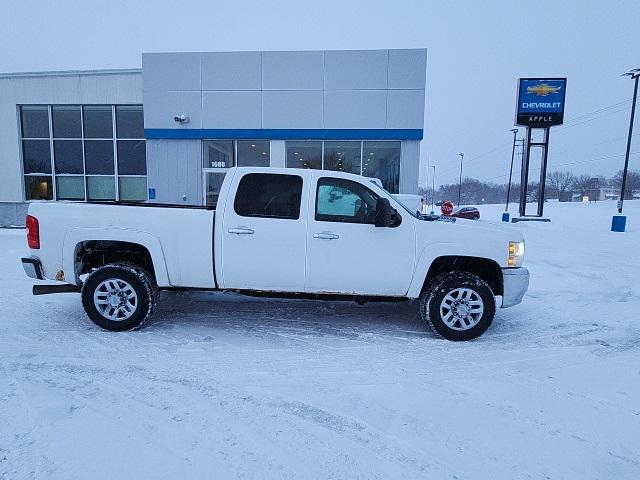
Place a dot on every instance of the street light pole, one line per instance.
(513, 152)
(433, 189)
(460, 184)
(635, 75)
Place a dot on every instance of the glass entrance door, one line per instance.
(218, 157)
(212, 184)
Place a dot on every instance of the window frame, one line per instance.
(277, 175)
(361, 142)
(399, 161)
(223, 170)
(323, 167)
(286, 152)
(340, 218)
(53, 175)
(235, 151)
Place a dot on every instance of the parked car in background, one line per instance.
(471, 213)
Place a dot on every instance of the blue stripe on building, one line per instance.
(284, 134)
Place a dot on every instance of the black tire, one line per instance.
(146, 295)
(432, 299)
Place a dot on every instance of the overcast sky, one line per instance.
(477, 50)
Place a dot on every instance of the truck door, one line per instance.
(346, 252)
(264, 233)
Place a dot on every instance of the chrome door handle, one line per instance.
(326, 235)
(241, 231)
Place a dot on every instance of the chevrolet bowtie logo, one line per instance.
(542, 90)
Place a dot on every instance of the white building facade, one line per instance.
(169, 131)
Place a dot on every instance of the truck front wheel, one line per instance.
(119, 296)
(458, 306)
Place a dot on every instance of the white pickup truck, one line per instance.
(278, 232)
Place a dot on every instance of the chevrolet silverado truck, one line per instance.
(282, 233)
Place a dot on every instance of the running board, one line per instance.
(47, 289)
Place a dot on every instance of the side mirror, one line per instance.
(386, 215)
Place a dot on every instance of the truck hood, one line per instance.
(464, 237)
(498, 230)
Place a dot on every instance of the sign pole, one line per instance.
(543, 171)
(524, 174)
(513, 153)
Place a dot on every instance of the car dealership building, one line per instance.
(169, 132)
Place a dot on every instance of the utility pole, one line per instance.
(433, 189)
(513, 152)
(460, 184)
(426, 186)
(635, 75)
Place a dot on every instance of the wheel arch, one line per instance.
(483, 267)
(82, 247)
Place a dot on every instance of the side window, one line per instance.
(339, 200)
(269, 195)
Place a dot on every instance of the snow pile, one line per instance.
(220, 386)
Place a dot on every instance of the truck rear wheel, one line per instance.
(119, 296)
(458, 306)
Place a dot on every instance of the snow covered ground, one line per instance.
(220, 386)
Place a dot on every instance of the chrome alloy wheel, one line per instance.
(115, 299)
(461, 309)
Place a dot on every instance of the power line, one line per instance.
(600, 112)
(587, 145)
(573, 122)
(597, 159)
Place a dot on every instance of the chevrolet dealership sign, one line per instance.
(540, 102)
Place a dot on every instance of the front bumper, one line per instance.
(515, 283)
(32, 267)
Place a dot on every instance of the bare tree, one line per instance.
(588, 185)
(562, 183)
(633, 182)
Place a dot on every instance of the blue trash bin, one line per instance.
(618, 223)
(505, 217)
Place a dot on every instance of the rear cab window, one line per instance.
(269, 195)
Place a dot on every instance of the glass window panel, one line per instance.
(218, 154)
(132, 157)
(101, 188)
(269, 195)
(36, 156)
(342, 156)
(305, 154)
(34, 121)
(382, 160)
(129, 121)
(98, 157)
(340, 200)
(97, 121)
(212, 185)
(67, 156)
(133, 188)
(70, 188)
(253, 153)
(66, 121)
(38, 188)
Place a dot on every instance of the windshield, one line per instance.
(413, 214)
(377, 184)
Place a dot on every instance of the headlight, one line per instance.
(516, 254)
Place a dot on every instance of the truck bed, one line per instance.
(148, 204)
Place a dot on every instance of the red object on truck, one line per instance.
(33, 232)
